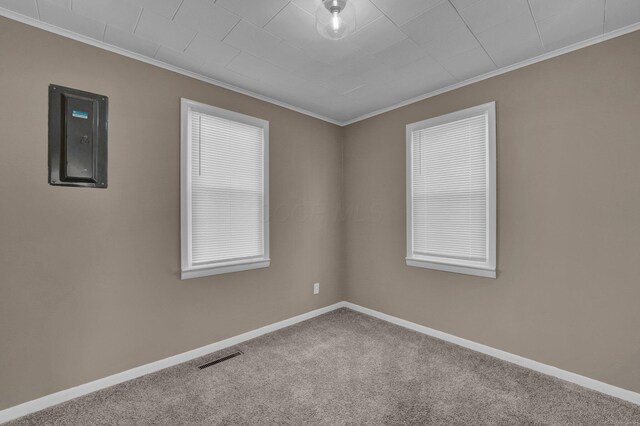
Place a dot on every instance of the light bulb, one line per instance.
(335, 20)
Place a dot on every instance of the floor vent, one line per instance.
(219, 360)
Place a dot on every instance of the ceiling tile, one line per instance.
(513, 55)
(256, 68)
(382, 66)
(343, 53)
(468, 64)
(308, 5)
(402, 11)
(422, 70)
(512, 41)
(317, 72)
(453, 43)
(215, 71)
(400, 54)
(179, 59)
(379, 75)
(288, 89)
(251, 39)
(274, 82)
(257, 12)
(159, 29)
(572, 25)
(65, 4)
(117, 13)
(262, 44)
(367, 92)
(543, 9)
(223, 74)
(369, 69)
(352, 106)
(211, 50)
(485, 14)
(344, 84)
(376, 67)
(419, 78)
(295, 25)
(166, 8)
(378, 35)
(69, 20)
(433, 24)
(131, 42)
(366, 12)
(239, 80)
(461, 4)
(621, 13)
(324, 102)
(206, 17)
(27, 8)
(288, 57)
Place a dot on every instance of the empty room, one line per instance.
(319, 212)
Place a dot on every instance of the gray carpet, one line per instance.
(338, 369)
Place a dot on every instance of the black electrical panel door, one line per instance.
(77, 138)
(78, 153)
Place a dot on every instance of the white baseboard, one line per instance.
(549, 370)
(29, 407)
(75, 392)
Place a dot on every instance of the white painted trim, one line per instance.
(467, 270)
(29, 407)
(567, 49)
(549, 370)
(488, 267)
(224, 269)
(133, 55)
(188, 269)
(75, 392)
(103, 45)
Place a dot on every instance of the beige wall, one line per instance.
(89, 278)
(568, 289)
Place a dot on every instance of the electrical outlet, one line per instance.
(316, 288)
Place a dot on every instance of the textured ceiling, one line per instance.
(401, 48)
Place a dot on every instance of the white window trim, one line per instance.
(482, 269)
(188, 270)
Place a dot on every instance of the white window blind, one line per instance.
(450, 197)
(226, 200)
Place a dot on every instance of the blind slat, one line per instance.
(227, 194)
(449, 189)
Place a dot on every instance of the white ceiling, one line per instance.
(401, 49)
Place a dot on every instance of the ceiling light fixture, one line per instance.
(335, 19)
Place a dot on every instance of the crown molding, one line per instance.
(106, 46)
(558, 52)
(120, 51)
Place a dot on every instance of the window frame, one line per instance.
(188, 270)
(482, 269)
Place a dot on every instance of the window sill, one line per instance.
(468, 270)
(224, 268)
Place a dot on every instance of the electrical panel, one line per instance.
(78, 123)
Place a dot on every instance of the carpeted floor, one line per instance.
(344, 368)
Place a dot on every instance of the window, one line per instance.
(451, 192)
(224, 191)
